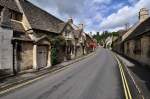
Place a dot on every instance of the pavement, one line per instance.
(95, 77)
(140, 75)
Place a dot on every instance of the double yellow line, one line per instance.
(124, 80)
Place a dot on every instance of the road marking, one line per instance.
(130, 97)
(138, 89)
(126, 95)
(124, 80)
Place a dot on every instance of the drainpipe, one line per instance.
(14, 58)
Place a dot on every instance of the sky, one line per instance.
(96, 15)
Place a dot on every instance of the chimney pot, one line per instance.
(143, 14)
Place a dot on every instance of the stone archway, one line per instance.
(42, 54)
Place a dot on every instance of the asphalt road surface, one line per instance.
(96, 77)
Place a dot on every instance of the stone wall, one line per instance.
(79, 51)
(6, 49)
(145, 42)
(142, 57)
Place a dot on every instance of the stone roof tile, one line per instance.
(40, 19)
(11, 4)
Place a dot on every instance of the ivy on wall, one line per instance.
(57, 44)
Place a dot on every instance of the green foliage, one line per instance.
(58, 41)
(57, 44)
(54, 56)
(102, 37)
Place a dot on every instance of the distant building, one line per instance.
(91, 43)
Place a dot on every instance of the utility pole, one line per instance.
(127, 25)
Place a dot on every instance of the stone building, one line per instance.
(68, 34)
(80, 38)
(26, 30)
(9, 25)
(136, 41)
(117, 42)
(90, 44)
(40, 26)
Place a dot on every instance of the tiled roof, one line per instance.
(88, 36)
(61, 27)
(40, 19)
(142, 28)
(11, 4)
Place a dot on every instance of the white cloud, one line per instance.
(92, 12)
(102, 1)
(124, 15)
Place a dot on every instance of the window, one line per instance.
(137, 48)
(67, 32)
(16, 16)
(128, 50)
(149, 49)
(17, 34)
(149, 52)
(19, 50)
(1, 8)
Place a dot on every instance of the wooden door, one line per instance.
(42, 56)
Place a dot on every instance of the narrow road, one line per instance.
(96, 77)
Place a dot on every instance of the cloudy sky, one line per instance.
(96, 15)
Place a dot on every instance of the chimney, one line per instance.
(143, 14)
(81, 26)
(70, 20)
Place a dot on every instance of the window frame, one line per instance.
(138, 46)
(16, 16)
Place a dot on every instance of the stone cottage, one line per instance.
(136, 41)
(10, 25)
(40, 26)
(80, 38)
(79, 42)
(90, 44)
(66, 30)
(75, 39)
(26, 30)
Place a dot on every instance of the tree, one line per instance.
(101, 38)
(58, 43)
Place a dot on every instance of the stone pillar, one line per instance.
(49, 57)
(15, 67)
(35, 57)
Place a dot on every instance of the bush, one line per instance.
(57, 45)
(54, 56)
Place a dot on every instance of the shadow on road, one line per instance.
(143, 73)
